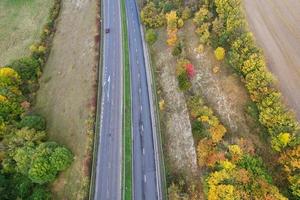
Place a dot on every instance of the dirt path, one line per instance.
(66, 91)
(276, 27)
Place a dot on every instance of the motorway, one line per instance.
(109, 157)
(146, 175)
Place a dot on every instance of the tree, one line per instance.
(290, 160)
(172, 19)
(61, 158)
(151, 36)
(190, 70)
(201, 16)
(186, 13)
(220, 53)
(203, 33)
(180, 23)
(151, 17)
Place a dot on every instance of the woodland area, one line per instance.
(230, 169)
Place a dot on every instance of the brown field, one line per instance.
(275, 24)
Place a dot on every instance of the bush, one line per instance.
(255, 166)
(151, 36)
(33, 121)
(28, 68)
(220, 53)
(184, 82)
(177, 49)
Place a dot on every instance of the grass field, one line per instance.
(21, 22)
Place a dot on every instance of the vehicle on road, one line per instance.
(107, 30)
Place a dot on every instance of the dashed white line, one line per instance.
(143, 151)
(145, 178)
(141, 108)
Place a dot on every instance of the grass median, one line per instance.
(127, 138)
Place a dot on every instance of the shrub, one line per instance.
(184, 82)
(33, 121)
(27, 67)
(151, 36)
(177, 49)
(220, 53)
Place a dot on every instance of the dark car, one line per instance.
(107, 30)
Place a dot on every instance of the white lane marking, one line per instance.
(136, 50)
(141, 108)
(135, 39)
(134, 30)
(142, 128)
(143, 151)
(107, 193)
(145, 178)
(108, 87)
(139, 76)
(137, 62)
(140, 91)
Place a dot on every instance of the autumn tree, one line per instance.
(151, 17)
(172, 20)
(220, 53)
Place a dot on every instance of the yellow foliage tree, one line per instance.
(220, 53)
(217, 133)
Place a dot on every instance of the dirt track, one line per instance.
(275, 24)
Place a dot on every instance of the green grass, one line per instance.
(21, 23)
(127, 139)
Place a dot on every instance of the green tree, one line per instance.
(61, 158)
(151, 36)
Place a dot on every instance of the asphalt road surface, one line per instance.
(145, 177)
(109, 157)
(276, 26)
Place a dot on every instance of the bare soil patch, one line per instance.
(21, 23)
(66, 94)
